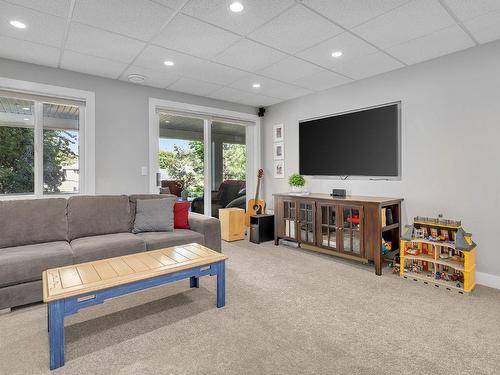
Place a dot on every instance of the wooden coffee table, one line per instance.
(71, 288)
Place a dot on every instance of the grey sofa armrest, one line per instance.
(209, 227)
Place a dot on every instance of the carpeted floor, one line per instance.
(287, 311)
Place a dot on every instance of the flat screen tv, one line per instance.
(364, 143)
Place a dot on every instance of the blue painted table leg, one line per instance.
(221, 284)
(194, 282)
(56, 333)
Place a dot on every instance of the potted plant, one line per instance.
(296, 182)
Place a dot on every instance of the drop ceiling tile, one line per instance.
(91, 65)
(153, 57)
(289, 69)
(485, 28)
(154, 78)
(322, 80)
(349, 13)
(187, 34)
(249, 56)
(255, 14)
(468, 9)
(173, 4)
(88, 40)
(410, 21)
(34, 53)
(192, 86)
(351, 47)
(55, 7)
(228, 94)
(259, 100)
(369, 65)
(237, 96)
(439, 43)
(41, 28)
(140, 19)
(296, 29)
(269, 87)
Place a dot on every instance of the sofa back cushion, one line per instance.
(96, 215)
(30, 221)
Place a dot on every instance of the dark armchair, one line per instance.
(231, 193)
(174, 186)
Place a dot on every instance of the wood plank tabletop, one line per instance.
(77, 279)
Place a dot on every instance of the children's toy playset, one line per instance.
(440, 252)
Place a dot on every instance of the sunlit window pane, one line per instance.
(61, 162)
(17, 136)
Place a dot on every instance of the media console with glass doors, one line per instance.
(352, 227)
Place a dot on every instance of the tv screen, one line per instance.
(359, 143)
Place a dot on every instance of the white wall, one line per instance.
(450, 141)
(122, 116)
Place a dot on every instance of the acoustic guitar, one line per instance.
(255, 206)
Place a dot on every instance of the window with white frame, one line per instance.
(40, 145)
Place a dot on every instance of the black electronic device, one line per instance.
(365, 142)
(261, 228)
(338, 193)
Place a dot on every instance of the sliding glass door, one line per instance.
(181, 155)
(202, 160)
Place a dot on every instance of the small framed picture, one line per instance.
(278, 135)
(279, 151)
(279, 169)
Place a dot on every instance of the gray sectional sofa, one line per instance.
(38, 234)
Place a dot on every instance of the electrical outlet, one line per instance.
(144, 171)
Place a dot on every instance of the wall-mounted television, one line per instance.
(359, 143)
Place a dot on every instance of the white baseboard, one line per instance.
(487, 279)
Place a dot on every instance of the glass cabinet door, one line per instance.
(289, 218)
(328, 224)
(306, 221)
(351, 230)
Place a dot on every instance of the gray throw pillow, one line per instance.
(154, 215)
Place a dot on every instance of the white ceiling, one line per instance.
(285, 45)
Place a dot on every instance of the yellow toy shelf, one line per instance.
(439, 252)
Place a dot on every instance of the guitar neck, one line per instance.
(258, 189)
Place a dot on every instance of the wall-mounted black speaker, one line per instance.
(261, 112)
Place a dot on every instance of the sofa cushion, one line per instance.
(159, 240)
(135, 197)
(22, 264)
(87, 249)
(30, 221)
(96, 215)
(154, 215)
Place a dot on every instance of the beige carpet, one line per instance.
(288, 311)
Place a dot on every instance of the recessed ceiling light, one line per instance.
(26, 108)
(236, 7)
(256, 85)
(168, 63)
(337, 54)
(26, 119)
(166, 121)
(18, 24)
(136, 78)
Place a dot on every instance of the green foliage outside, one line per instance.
(187, 165)
(56, 154)
(17, 159)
